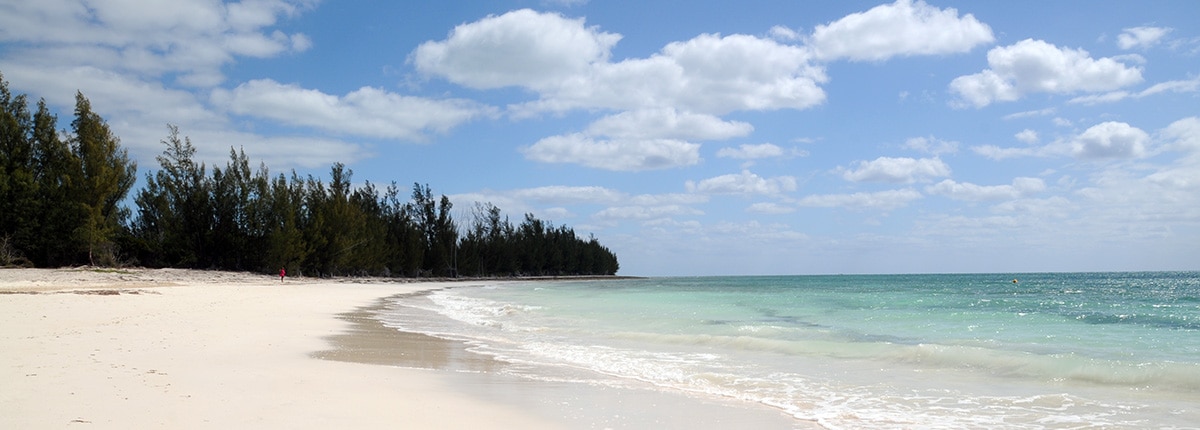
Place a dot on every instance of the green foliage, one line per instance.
(107, 175)
(18, 187)
(60, 195)
(313, 228)
(174, 209)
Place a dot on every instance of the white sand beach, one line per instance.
(141, 348)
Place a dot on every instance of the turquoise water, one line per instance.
(1081, 350)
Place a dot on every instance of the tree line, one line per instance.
(60, 195)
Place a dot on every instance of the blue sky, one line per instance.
(692, 138)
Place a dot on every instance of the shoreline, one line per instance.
(172, 348)
(571, 404)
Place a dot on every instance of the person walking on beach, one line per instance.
(282, 273)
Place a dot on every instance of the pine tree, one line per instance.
(107, 174)
(18, 188)
(58, 173)
(174, 208)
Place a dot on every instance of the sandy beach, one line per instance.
(140, 348)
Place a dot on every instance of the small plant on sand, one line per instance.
(11, 257)
(108, 270)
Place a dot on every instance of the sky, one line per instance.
(691, 138)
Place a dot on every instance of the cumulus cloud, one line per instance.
(883, 200)
(280, 152)
(646, 212)
(785, 34)
(667, 123)
(369, 112)
(1141, 37)
(193, 38)
(561, 195)
(1021, 187)
(1107, 140)
(756, 151)
(614, 154)
(1183, 135)
(1027, 136)
(153, 63)
(743, 183)
(998, 153)
(931, 145)
(1034, 66)
(674, 97)
(901, 170)
(710, 73)
(567, 64)
(664, 102)
(645, 139)
(1110, 140)
(902, 28)
(519, 48)
(770, 208)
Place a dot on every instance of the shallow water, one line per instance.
(1116, 350)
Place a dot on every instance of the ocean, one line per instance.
(1036, 350)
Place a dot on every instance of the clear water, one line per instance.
(1081, 350)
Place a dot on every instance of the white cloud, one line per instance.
(280, 152)
(1027, 136)
(931, 145)
(369, 112)
(752, 152)
(567, 64)
(1055, 207)
(997, 153)
(743, 183)
(667, 123)
(900, 29)
(668, 199)
(1110, 140)
(646, 212)
(901, 170)
(1034, 66)
(1095, 99)
(1141, 37)
(1177, 86)
(562, 195)
(143, 65)
(785, 34)
(770, 208)
(193, 38)
(1021, 187)
(707, 74)
(637, 140)
(519, 48)
(1031, 113)
(883, 200)
(665, 101)
(1107, 140)
(1183, 135)
(550, 201)
(614, 154)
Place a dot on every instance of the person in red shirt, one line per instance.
(282, 273)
